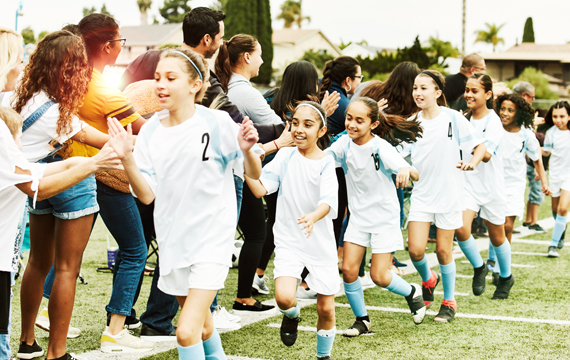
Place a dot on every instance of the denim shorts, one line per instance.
(77, 201)
(535, 195)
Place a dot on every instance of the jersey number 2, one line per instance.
(205, 137)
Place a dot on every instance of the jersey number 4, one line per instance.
(206, 139)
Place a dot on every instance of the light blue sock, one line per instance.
(213, 347)
(355, 298)
(504, 257)
(325, 341)
(559, 227)
(292, 313)
(423, 268)
(399, 286)
(469, 248)
(193, 352)
(492, 255)
(497, 267)
(448, 280)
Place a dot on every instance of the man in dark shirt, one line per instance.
(455, 84)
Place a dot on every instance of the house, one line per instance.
(365, 51)
(147, 37)
(553, 60)
(289, 45)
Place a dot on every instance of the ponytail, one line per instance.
(229, 55)
(223, 66)
(337, 70)
(326, 81)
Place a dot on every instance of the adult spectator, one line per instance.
(526, 90)
(455, 84)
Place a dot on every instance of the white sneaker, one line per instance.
(231, 317)
(42, 321)
(366, 281)
(259, 284)
(124, 341)
(303, 293)
(221, 322)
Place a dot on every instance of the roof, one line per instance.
(294, 36)
(359, 48)
(149, 35)
(533, 52)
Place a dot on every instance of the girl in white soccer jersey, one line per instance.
(368, 162)
(182, 162)
(485, 190)
(517, 115)
(306, 205)
(439, 194)
(557, 143)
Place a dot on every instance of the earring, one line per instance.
(349, 88)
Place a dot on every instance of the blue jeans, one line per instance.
(5, 351)
(121, 216)
(535, 195)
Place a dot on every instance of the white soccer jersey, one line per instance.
(186, 166)
(436, 155)
(372, 198)
(557, 143)
(486, 184)
(513, 148)
(303, 185)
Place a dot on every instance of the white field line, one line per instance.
(512, 265)
(456, 294)
(472, 316)
(232, 357)
(528, 253)
(461, 276)
(533, 242)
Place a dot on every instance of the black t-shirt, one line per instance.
(454, 87)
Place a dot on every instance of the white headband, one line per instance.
(317, 110)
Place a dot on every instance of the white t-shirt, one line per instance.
(513, 148)
(36, 140)
(557, 143)
(372, 198)
(12, 200)
(486, 183)
(303, 185)
(186, 166)
(436, 155)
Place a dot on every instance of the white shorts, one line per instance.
(556, 186)
(205, 276)
(380, 243)
(323, 279)
(493, 212)
(515, 204)
(445, 221)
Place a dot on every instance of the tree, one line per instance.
(42, 35)
(144, 6)
(252, 17)
(104, 10)
(490, 35)
(344, 45)
(317, 58)
(441, 49)
(87, 11)
(291, 13)
(528, 34)
(540, 82)
(28, 35)
(173, 11)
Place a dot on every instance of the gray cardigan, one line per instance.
(250, 102)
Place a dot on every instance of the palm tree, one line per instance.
(144, 5)
(490, 35)
(291, 14)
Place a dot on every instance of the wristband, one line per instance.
(275, 143)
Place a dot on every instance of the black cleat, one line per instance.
(359, 327)
(29, 351)
(289, 330)
(416, 303)
(496, 278)
(504, 288)
(446, 312)
(427, 291)
(479, 275)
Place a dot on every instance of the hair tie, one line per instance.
(435, 78)
(313, 107)
(191, 62)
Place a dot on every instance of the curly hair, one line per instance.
(394, 129)
(58, 67)
(324, 141)
(397, 90)
(337, 70)
(524, 114)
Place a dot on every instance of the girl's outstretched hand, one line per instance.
(306, 222)
(330, 102)
(247, 135)
(285, 139)
(107, 159)
(382, 104)
(403, 178)
(465, 166)
(121, 140)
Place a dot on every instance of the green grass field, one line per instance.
(541, 292)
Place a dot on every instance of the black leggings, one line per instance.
(252, 224)
(342, 203)
(269, 246)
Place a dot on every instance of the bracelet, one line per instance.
(275, 143)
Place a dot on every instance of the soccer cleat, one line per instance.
(328, 357)
(42, 321)
(428, 287)
(359, 327)
(26, 351)
(536, 228)
(496, 278)
(479, 280)
(124, 342)
(446, 311)
(491, 265)
(259, 284)
(561, 241)
(553, 252)
(416, 304)
(288, 330)
(504, 288)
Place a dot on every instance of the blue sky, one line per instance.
(385, 23)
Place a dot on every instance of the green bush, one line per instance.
(539, 81)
